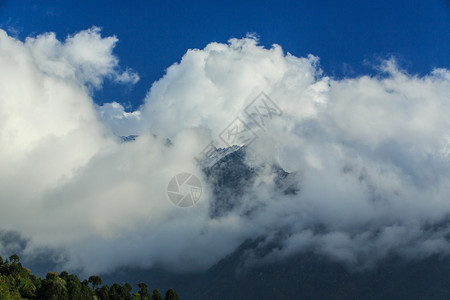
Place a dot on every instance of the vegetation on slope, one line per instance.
(17, 282)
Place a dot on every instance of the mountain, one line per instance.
(303, 276)
(300, 276)
(230, 177)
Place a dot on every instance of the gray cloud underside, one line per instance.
(371, 154)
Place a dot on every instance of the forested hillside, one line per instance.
(17, 282)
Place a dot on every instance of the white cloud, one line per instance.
(371, 154)
(122, 123)
(85, 56)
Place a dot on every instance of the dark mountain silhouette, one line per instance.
(306, 275)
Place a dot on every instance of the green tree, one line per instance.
(115, 292)
(103, 293)
(17, 283)
(156, 295)
(51, 276)
(26, 287)
(74, 287)
(136, 296)
(171, 295)
(95, 281)
(14, 258)
(4, 288)
(86, 292)
(143, 291)
(53, 288)
(126, 291)
(64, 275)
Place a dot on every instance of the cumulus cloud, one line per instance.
(370, 154)
(85, 57)
(121, 122)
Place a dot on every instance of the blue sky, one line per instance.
(348, 36)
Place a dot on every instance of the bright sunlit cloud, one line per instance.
(371, 156)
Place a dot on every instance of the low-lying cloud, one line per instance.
(371, 154)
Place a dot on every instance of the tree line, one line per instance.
(17, 282)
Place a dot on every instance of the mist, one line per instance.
(369, 154)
